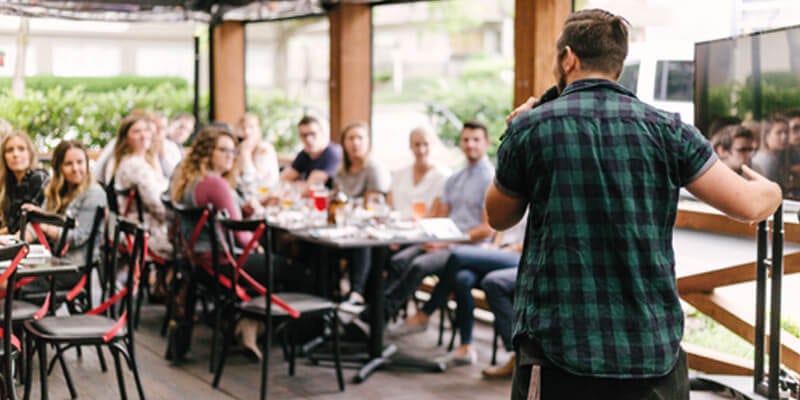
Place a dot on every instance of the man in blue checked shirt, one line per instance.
(597, 313)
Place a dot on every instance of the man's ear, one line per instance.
(570, 61)
(721, 152)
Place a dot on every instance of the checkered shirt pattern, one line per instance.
(601, 171)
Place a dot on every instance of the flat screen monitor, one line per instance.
(753, 81)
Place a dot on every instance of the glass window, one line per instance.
(674, 80)
(630, 76)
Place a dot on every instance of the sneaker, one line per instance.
(500, 372)
(452, 359)
(351, 307)
(403, 329)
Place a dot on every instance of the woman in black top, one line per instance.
(20, 181)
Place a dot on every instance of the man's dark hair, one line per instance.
(308, 120)
(598, 38)
(475, 124)
(724, 137)
(722, 122)
(793, 113)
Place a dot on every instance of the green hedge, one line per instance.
(96, 84)
(75, 113)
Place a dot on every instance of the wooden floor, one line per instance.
(240, 381)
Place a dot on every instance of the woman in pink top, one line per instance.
(208, 176)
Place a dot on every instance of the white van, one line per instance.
(662, 74)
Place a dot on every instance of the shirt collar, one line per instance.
(594, 83)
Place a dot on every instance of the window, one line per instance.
(629, 78)
(674, 80)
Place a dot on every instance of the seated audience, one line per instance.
(319, 160)
(21, 181)
(73, 192)
(207, 176)
(419, 184)
(167, 152)
(734, 145)
(465, 268)
(258, 161)
(771, 159)
(135, 166)
(462, 201)
(360, 176)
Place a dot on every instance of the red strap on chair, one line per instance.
(108, 303)
(111, 333)
(76, 290)
(14, 340)
(37, 229)
(129, 202)
(43, 309)
(114, 329)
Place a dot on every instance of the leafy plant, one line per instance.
(96, 84)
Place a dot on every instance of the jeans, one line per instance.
(408, 267)
(359, 261)
(499, 287)
(467, 266)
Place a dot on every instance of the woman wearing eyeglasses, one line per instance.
(136, 166)
(207, 176)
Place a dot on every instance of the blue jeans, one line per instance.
(467, 266)
(499, 287)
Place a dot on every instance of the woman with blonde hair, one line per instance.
(207, 176)
(20, 180)
(135, 166)
(258, 161)
(415, 187)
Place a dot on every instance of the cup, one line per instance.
(419, 210)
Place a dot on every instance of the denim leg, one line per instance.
(399, 265)
(499, 288)
(360, 261)
(465, 319)
(443, 288)
(422, 265)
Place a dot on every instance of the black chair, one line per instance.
(100, 326)
(192, 223)
(261, 308)
(10, 348)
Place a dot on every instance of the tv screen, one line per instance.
(753, 82)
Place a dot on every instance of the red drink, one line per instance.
(320, 201)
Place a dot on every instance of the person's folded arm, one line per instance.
(751, 198)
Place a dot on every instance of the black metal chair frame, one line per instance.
(120, 342)
(13, 253)
(266, 314)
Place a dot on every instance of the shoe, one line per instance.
(467, 359)
(352, 307)
(500, 372)
(404, 329)
(247, 333)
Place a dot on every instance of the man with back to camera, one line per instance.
(597, 313)
(734, 146)
(319, 159)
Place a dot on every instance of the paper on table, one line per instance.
(440, 227)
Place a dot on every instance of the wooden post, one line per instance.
(536, 28)
(351, 66)
(228, 79)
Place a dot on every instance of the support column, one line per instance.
(351, 66)
(537, 25)
(228, 82)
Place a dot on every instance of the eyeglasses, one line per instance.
(744, 149)
(228, 150)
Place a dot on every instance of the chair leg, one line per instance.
(28, 366)
(336, 350)
(292, 354)
(134, 367)
(226, 345)
(442, 311)
(214, 336)
(494, 347)
(452, 319)
(67, 376)
(120, 379)
(101, 358)
(41, 346)
(144, 285)
(266, 347)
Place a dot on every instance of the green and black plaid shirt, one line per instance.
(596, 288)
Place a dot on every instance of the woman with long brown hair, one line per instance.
(208, 176)
(71, 191)
(21, 181)
(135, 166)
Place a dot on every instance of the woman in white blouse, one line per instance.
(421, 182)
